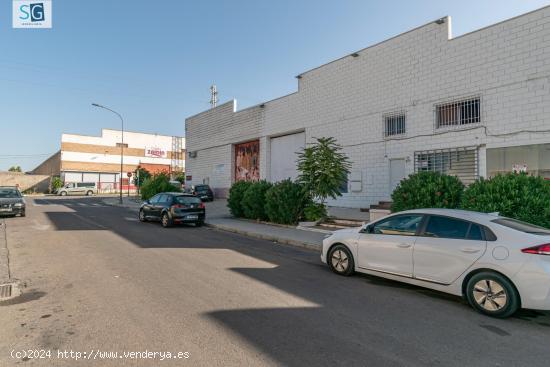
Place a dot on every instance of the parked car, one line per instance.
(204, 192)
(172, 208)
(78, 188)
(11, 201)
(176, 183)
(498, 264)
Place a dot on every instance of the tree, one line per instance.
(15, 169)
(180, 177)
(143, 175)
(323, 169)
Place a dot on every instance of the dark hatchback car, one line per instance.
(11, 201)
(173, 208)
(204, 192)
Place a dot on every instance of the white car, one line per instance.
(499, 264)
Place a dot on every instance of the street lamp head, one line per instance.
(95, 105)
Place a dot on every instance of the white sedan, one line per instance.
(499, 264)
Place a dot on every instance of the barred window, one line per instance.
(394, 125)
(458, 113)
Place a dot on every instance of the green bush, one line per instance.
(285, 202)
(518, 196)
(253, 201)
(156, 184)
(236, 195)
(56, 183)
(314, 211)
(427, 190)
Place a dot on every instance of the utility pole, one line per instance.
(213, 95)
(121, 145)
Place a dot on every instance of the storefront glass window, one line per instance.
(532, 159)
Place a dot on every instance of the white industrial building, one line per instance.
(474, 105)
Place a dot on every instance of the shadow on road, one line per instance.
(359, 321)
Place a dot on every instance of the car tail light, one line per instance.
(177, 206)
(538, 250)
(202, 206)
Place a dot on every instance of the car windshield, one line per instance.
(187, 200)
(518, 225)
(8, 192)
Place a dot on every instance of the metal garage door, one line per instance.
(459, 162)
(283, 156)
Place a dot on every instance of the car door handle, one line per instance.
(404, 245)
(469, 250)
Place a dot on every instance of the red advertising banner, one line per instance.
(247, 161)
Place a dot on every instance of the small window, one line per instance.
(458, 113)
(444, 227)
(343, 188)
(394, 124)
(122, 145)
(402, 225)
(164, 199)
(475, 233)
(187, 200)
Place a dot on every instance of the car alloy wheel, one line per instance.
(165, 221)
(142, 216)
(63, 193)
(492, 294)
(341, 260)
(89, 193)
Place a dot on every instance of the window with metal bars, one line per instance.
(394, 124)
(459, 162)
(458, 113)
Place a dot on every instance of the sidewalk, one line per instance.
(218, 216)
(4, 255)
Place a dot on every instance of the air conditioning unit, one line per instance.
(193, 154)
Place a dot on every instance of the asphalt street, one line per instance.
(99, 280)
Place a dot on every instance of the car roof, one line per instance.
(456, 213)
(177, 194)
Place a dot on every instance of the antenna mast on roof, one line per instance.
(213, 95)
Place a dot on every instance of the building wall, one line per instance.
(50, 166)
(506, 65)
(81, 153)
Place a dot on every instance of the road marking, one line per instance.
(131, 219)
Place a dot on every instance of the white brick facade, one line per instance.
(506, 65)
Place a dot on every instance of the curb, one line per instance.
(285, 241)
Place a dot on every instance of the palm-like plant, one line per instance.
(323, 169)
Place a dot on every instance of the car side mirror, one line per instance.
(367, 228)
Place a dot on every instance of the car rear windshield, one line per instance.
(187, 200)
(201, 188)
(518, 225)
(8, 192)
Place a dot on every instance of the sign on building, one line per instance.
(155, 152)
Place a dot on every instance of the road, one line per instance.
(97, 279)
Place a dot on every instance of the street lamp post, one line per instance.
(121, 145)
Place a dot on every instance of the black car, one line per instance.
(172, 208)
(11, 201)
(204, 192)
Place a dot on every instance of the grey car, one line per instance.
(11, 201)
(78, 188)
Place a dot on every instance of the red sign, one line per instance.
(129, 174)
(155, 152)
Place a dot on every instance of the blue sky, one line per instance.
(153, 61)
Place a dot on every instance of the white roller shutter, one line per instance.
(73, 176)
(283, 156)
